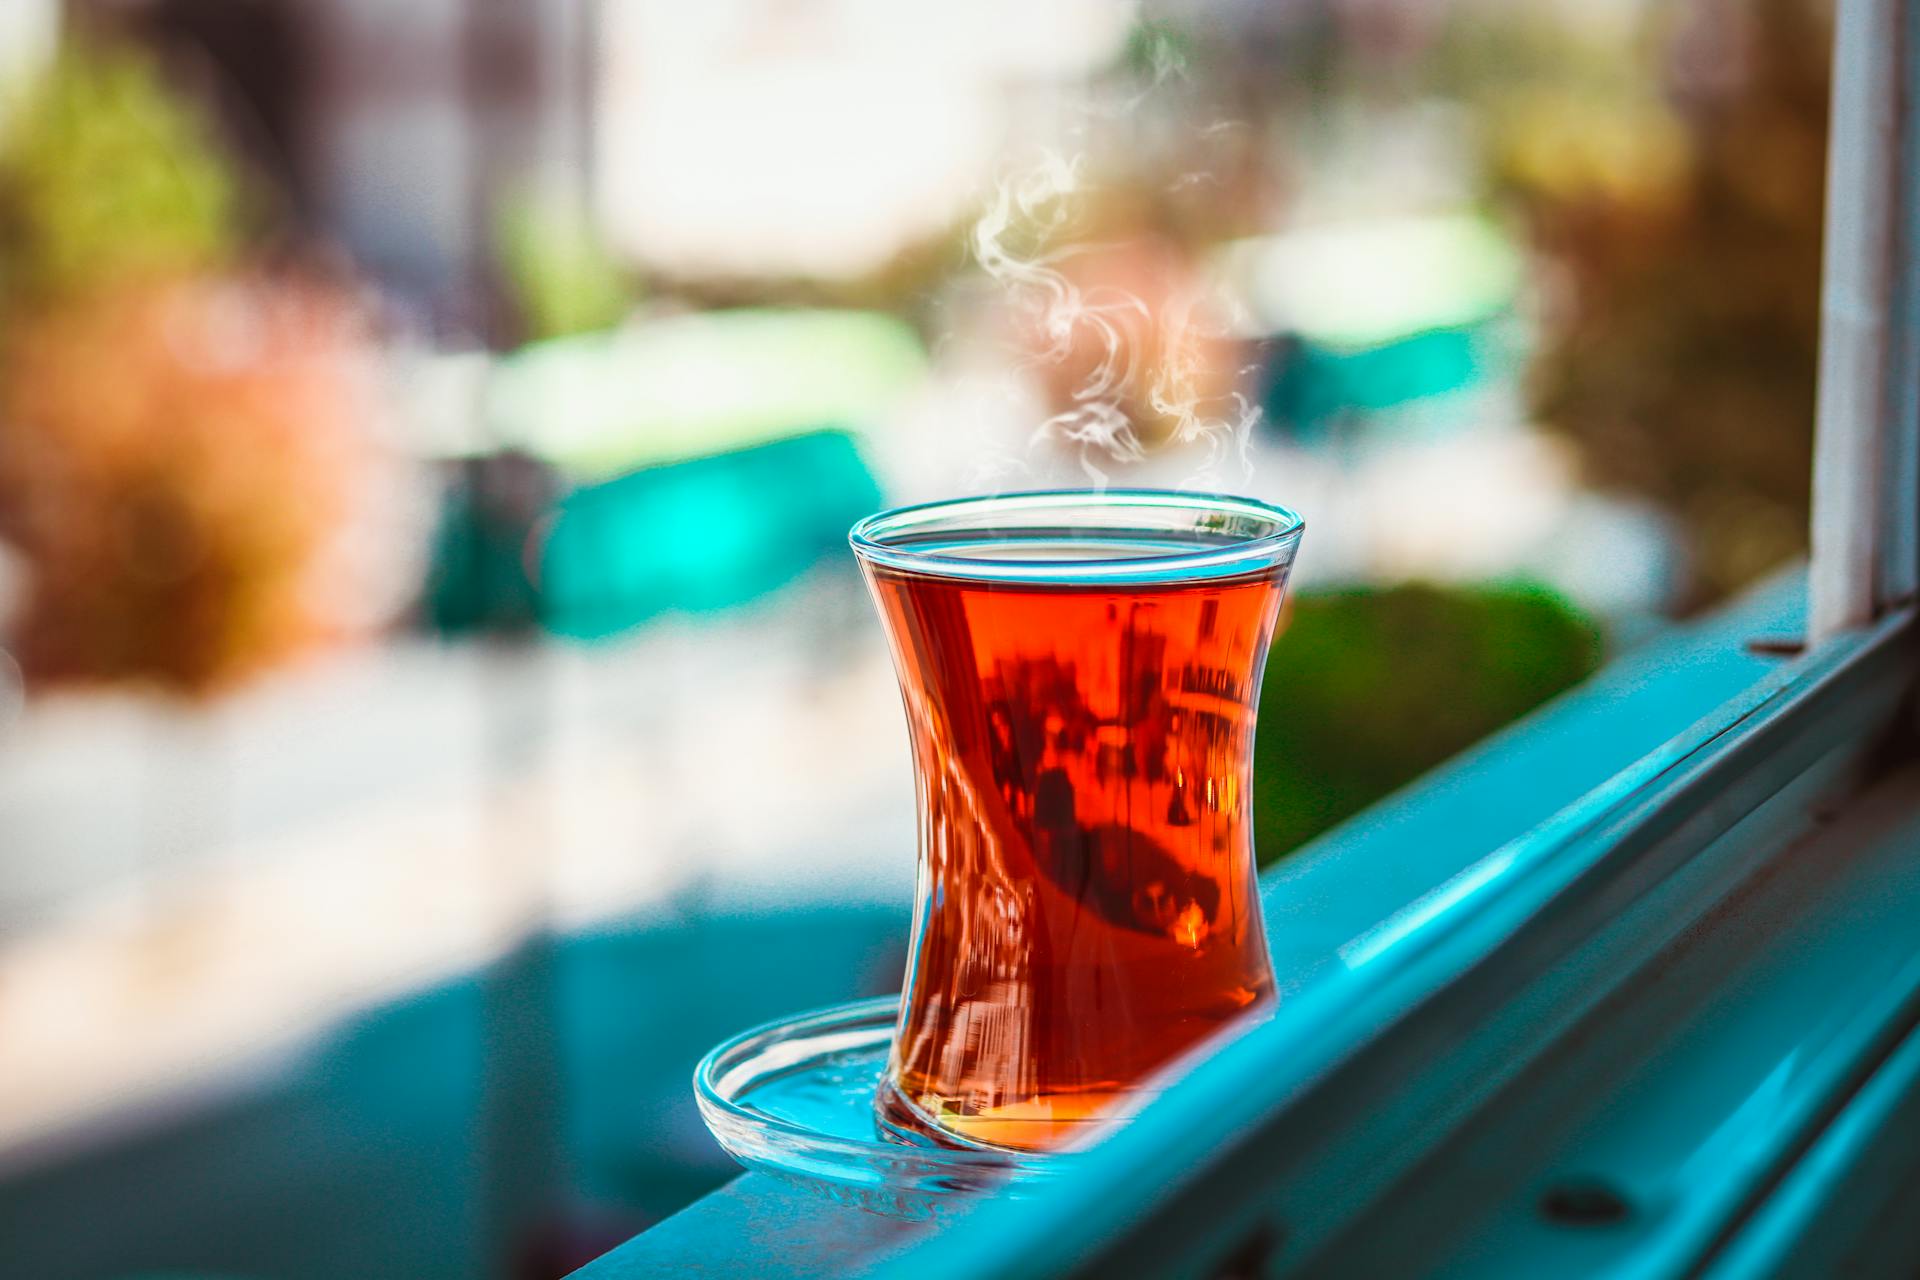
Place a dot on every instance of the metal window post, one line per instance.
(1865, 477)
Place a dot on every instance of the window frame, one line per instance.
(1866, 475)
(1283, 1139)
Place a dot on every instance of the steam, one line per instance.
(1227, 437)
(1060, 311)
(1021, 240)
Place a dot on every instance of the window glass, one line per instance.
(429, 435)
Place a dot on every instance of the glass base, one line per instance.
(1038, 1126)
(805, 1098)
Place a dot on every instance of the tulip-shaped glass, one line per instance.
(1081, 672)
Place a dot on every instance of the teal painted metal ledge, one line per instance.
(1310, 1127)
(1330, 907)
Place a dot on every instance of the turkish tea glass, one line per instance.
(1080, 672)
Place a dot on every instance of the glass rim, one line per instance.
(1270, 543)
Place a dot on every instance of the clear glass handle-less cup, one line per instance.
(1080, 672)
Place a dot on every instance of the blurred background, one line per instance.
(436, 700)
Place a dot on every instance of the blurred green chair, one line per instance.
(698, 535)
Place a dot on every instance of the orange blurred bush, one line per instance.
(178, 458)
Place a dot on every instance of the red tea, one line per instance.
(1086, 909)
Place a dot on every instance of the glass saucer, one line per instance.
(795, 1098)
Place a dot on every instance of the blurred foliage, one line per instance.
(176, 463)
(560, 275)
(1155, 49)
(182, 442)
(104, 174)
(1680, 349)
(1368, 689)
